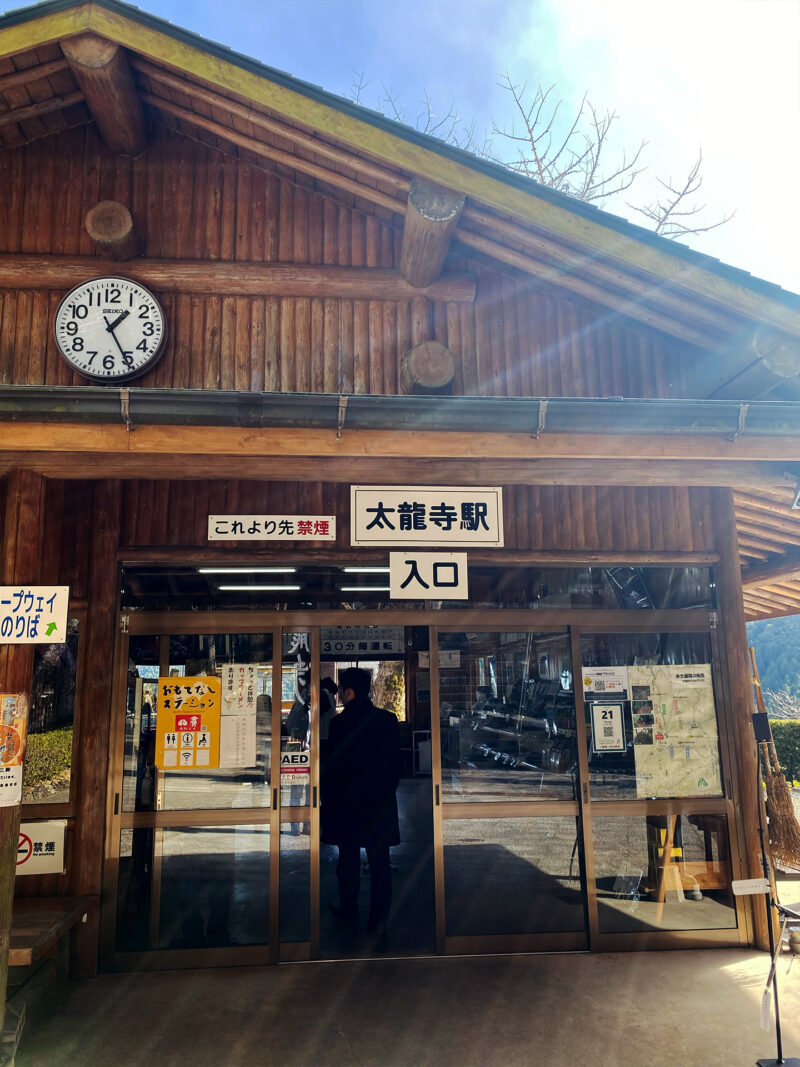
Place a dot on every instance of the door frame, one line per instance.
(572, 622)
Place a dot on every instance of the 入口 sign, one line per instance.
(428, 576)
(426, 516)
(271, 528)
(33, 614)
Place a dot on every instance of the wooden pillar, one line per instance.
(21, 556)
(431, 218)
(101, 70)
(95, 717)
(740, 694)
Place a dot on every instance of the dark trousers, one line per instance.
(348, 873)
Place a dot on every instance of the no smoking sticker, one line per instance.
(24, 849)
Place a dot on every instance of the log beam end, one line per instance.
(431, 218)
(101, 69)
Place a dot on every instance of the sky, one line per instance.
(721, 76)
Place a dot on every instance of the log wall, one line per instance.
(194, 202)
(165, 514)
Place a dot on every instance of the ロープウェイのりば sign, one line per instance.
(426, 516)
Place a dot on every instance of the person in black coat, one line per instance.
(359, 802)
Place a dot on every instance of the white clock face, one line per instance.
(110, 329)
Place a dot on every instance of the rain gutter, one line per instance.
(559, 415)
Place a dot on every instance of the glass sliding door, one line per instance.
(658, 811)
(510, 848)
(194, 851)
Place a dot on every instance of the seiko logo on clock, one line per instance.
(110, 329)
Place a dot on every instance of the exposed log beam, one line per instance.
(44, 107)
(110, 225)
(336, 155)
(389, 471)
(101, 70)
(620, 303)
(431, 217)
(229, 278)
(277, 155)
(772, 512)
(777, 537)
(696, 457)
(791, 593)
(769, 524)
(31, 74)
(747, 369)
(606, 272)
(786, 566)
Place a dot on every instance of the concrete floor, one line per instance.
(608, 1010)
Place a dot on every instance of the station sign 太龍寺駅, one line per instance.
(426, 516)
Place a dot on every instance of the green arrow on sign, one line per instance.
(51, 628)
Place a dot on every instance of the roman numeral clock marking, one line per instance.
(110, 329)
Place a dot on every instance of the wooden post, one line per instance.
(110, 225)
(431, 218)
(95, 718)
(20, 560)
(101, 70)
(733, 641)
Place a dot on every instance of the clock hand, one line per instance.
(116, 342)
(110, 327)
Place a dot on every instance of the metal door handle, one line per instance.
(274, 799)
(116, 803)
(436, 791)
(314, 797)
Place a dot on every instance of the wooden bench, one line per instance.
(38, 923)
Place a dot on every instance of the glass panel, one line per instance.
(651, 724)
(295, 882)
(512, 876)
(507, 716)
(214, 887)
(639, 891)
(296, 719)
(147, 787)
(134, 890)
(48, 754)
(194, 887)
(330, 588)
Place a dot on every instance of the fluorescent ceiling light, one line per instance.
(366, 570)
(365, 589)
(246, 570)
(256, 588)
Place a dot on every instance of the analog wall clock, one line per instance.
(110, 329)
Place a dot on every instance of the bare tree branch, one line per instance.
(572, 157)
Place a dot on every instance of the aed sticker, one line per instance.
(295, 768)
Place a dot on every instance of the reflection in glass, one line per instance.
(296, 715)
(662, 872)
(147, 787)
(193, 887)
(668, 747)
(48, 754)
(512, 876)
(507, 716)
(295, 882)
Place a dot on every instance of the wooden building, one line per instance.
(347, 302)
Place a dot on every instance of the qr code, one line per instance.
(599, 687)
(608, 731)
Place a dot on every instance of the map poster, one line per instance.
(675, 744)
